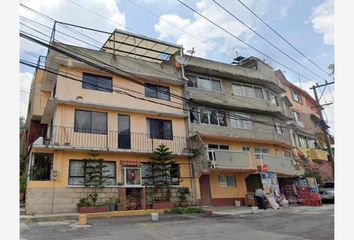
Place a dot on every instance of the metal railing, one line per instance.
(231, 160)
(111, 140)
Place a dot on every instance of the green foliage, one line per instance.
(182, 193)
(84, 202)
(186, 210)
(162, 164)
(23, 183)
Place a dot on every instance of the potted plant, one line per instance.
(182, 196)
(86, 205)
(23, 186)
(112, 204)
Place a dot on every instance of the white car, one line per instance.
(327, 191)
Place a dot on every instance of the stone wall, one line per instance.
(61, 200)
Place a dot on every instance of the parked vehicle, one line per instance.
(327, 191)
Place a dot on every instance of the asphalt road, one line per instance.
(285, 224)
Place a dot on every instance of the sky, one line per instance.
(308, 25)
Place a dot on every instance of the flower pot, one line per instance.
(22, 196)
(162, 205)
(183, 203)
(93, 209)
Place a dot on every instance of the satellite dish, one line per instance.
(181, 60)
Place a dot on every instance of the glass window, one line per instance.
(248, 91)
(296, 116)
(222, 118)
(297, 96)
(204, 115)
(258, 92)
(160, 129)
(214, 117)
(147, 177)
(175, 174)
(156, 91)
(240, 120)
(311, 143)
(226, 181)
(278, 128)
(287, 154)
(302, 142)
(42, 165)
(90, 122)
(237, 89)
(245, 148)
(194, 115)
(209, 84)
(96, 82)
(259, 152)
(79, 172)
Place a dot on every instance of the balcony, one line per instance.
(231, 160)
(276, 164)
(67, 138)
(315, 154)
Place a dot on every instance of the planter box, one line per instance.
(93, 209)
(161, 205)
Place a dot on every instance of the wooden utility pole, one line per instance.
(323, 127)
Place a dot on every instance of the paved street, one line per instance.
(285, 224)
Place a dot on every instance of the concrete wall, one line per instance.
(39, 195)
(38, 98)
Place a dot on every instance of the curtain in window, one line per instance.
(237, 89)
(258, 93)
(216, 85)
(82, 121)
(99, 122)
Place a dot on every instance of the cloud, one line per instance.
(322, 20)
(284, 7)
(205, 31)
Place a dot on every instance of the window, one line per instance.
(272, 98)
(96, 82)
(79, 172)
(302, 142)
(209, 84)
(297, 96)
(226, 181)
(124, 141)
(296, 116)
(42, 165)
(239, 120)
(311, 143)
(246, 149)
(159, 129)
(156, 91)
(279, 128)
(259, 152)
(287, 154)
(206, 116)
(90, 122)
(251, 91)
(213, 147)
(147, 176)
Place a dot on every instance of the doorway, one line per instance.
(205, 191)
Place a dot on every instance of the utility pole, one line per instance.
(324, 129)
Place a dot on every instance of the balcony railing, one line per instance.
(277, 164)
(112, 141)
(231, 160)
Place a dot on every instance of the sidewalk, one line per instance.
(229, 210)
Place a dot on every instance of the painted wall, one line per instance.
(65, 116)
(62, 158)
(218, 191)
(70, 90)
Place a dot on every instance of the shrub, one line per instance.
(23, 183)
(183, 191)
(84, 202)
(186, 210)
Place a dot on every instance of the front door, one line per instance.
(205, 192)
(124, 132)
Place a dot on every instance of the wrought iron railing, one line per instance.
(111, 140)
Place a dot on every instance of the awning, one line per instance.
(128, 163)
(140, 47)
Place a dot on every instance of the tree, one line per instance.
(95, 169)
(161, 165)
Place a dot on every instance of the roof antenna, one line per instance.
(237, 60)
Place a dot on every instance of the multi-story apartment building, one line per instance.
(240, 130)
(123, 101)
(307, 136)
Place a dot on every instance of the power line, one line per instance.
(247, 44)
(259, 35)
(279, 35)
